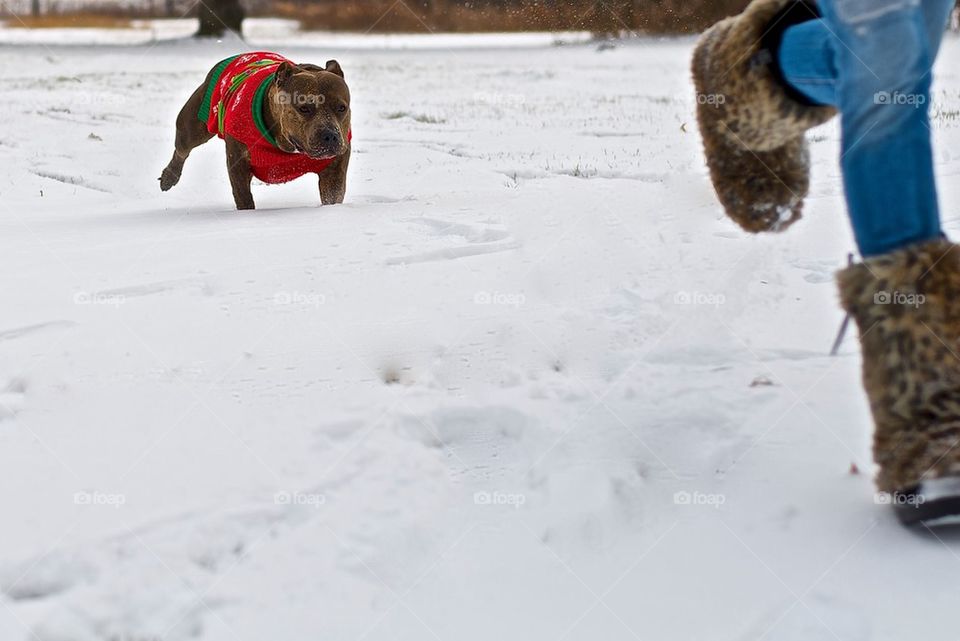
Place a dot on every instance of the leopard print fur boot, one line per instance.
(751, 121)
(907, 307)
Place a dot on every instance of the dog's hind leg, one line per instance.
(191, 133)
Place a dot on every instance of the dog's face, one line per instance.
(311, 106)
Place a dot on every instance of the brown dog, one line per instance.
(279, 121)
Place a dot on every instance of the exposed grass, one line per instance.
(423, 118)
(945, 117)
(70, 21)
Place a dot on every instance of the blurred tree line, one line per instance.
(603, 17)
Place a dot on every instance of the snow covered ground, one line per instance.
(527, 383)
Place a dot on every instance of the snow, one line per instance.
(527, 383)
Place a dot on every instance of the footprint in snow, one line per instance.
(477, 436)
(11, 398)
(46, 576)
(818, 271)
(454, 253)
(17, 332)
(470, 233)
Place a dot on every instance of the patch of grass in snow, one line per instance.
(430, 120)
(944, 116)
(578, 171)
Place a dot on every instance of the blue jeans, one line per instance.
(871, 59)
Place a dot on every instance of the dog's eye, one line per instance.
(306, 110)
(342, 109)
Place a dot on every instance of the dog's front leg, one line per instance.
(333, 180)
(238, 166)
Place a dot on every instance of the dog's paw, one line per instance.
(168, 179)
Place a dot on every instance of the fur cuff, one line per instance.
(752, 125)
(732, 65)
(907, 306)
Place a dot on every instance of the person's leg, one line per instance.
(883, 94)
(871, 59)
(807, 59)
(807, 53)
(905, 296)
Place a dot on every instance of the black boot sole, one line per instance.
(933, 503)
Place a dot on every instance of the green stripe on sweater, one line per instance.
(204, 113)
(258, 108)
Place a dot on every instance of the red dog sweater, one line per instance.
(233, 104)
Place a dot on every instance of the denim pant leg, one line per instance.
(808, 51)
(873, 64)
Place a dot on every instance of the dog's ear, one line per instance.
(334, 67)
(285, 72)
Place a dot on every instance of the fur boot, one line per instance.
(751, 121)
(907, 306)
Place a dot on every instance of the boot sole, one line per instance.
(933, 503)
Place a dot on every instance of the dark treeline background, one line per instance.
(606, 16)
(603, 17)
(386, 16)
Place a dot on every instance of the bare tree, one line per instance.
(219, 16)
